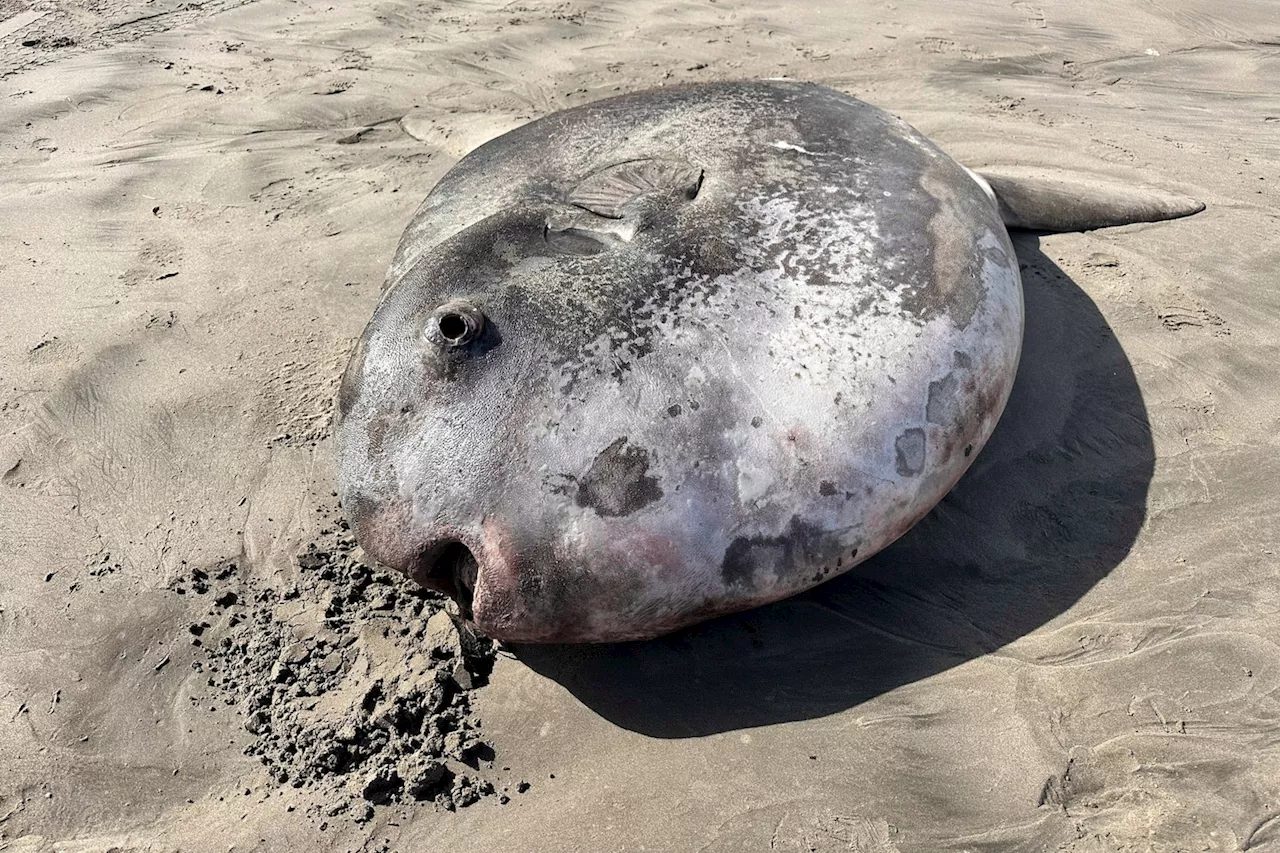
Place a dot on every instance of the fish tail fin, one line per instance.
(1078, 202)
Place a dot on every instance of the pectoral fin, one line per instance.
(612, 191)
(610, 205)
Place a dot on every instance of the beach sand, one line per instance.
(1076, 651)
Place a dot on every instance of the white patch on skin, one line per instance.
(788, 146)
(753, 483)
(837, 242)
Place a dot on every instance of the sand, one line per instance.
(1075, 651)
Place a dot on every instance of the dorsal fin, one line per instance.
(610, 191)
(1080, 202)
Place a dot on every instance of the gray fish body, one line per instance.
(729, 341)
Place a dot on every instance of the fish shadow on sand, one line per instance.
(1052, 504)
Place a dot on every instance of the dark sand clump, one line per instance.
(353, 679)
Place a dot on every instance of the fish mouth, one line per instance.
(449, 566)
(482, 574)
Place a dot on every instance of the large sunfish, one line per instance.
(684, 352)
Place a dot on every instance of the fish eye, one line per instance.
(455, 324)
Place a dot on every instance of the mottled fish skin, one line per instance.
(765, 367)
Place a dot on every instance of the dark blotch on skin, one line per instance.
(910, 452)
(801, 543)
(675, 410)
(961, 359)
(943, 405)
(376, 433)
(826, 488)
(618, 481)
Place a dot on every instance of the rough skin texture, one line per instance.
(769, 332)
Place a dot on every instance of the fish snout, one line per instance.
(459, 563)
(442, 562)
(483, 579)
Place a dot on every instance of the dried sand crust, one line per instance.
(1076, 651)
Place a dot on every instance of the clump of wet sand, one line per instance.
(355, 681)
